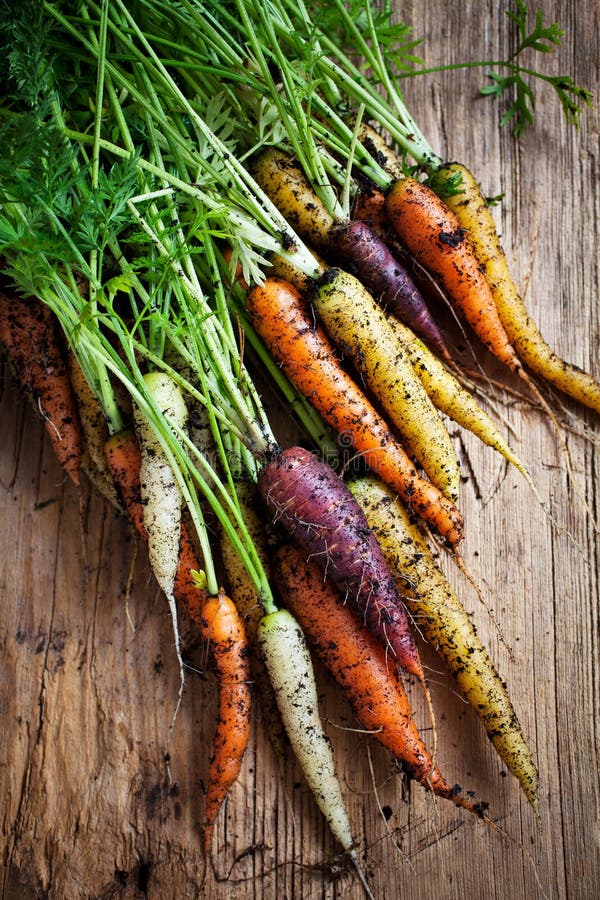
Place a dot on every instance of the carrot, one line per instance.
(361, 667)
(433, 235)
(474, 216)
(283, 649)
(369, 207)
(248, 602)
(451, 398)
(161, 495)
(236, 271)
(94, 429)
(307, 357)
(443, 621)
(283, 267)
(360, 328)
(223, 628)
(290, 669)
(124, 459)
(283, 179)
(432, 232)
(313, 505)
(28, 332)
(380, 151)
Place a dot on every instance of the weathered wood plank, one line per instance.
(89, 806)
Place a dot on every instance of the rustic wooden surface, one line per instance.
(89, 807)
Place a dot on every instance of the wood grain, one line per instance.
(93, 804)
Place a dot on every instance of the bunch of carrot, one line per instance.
(150, 255)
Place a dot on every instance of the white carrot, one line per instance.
(290, 668)
(161, 494)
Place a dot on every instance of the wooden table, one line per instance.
(88, 808)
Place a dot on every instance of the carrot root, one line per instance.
(123, 459)
(222, 627)
(474, 216)
(314, 506)
(433, 234)
(28, 332)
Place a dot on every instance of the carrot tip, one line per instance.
(207, 839)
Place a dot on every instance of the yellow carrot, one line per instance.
(443, 622)
(362, 331)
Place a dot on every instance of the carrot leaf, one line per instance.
(541, 39)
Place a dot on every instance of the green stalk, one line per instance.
(293, 117)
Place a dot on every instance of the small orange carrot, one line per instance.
(223, 628)
(369, 207)
(360, 665)
(279, 315)
(236, 273)
(28, 332)
(433, 235)
(248, 602)
(123, 459)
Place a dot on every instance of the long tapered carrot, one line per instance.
(223, 628)
(367, 256)
(474, 216)
(444, 622)
(123, 459)
(432, 232)
(360, 665)
(28, 332)
(281, 318)
(434, 236)
(360, 328)
(451, 398)
(288, 661)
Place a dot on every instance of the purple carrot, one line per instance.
(314, 505)
(367, 256)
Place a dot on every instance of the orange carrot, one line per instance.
(360, 665)
(236, 272)
(28, 332)
(123, 458)
(369, 207)
(245, 595)
(223, 628)
(301, 348)
(433, 235)
(473, 214)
